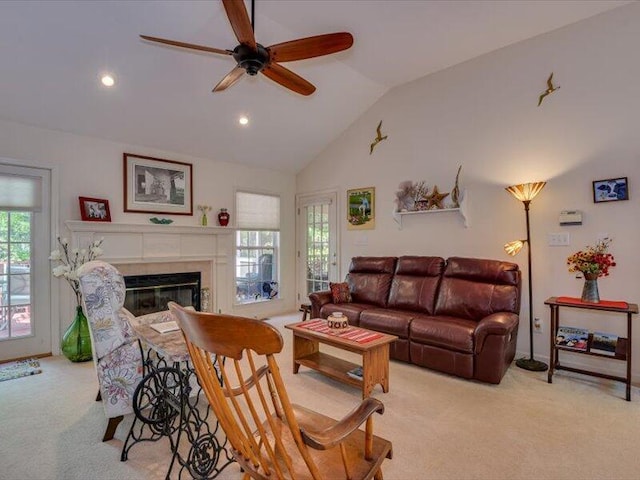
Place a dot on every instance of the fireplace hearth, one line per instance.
(151, 293)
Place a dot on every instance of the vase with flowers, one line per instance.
(76, 341)
(594, 262)
(204, 221)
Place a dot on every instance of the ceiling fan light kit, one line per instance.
(253, 58)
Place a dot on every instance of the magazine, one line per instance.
(571, 337)
(355, 373)
(165, 327)
(604, 343)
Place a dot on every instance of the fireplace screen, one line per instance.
(151, 293)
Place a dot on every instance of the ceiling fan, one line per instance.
(253, 58)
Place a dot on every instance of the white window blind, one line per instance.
(20, 192)
(256, 211)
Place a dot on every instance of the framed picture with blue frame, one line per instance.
(610, 190)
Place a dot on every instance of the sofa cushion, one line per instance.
(415, 283)
(386, 320)
(340, 292)
(452, 333)
(472, 288)
(369, 279)
(350, 310)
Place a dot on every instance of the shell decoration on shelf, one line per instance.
(415, 197)
(455, 193)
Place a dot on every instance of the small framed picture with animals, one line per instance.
(610, 190)
(94, 209)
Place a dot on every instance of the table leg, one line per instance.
(301, 348)
(553, 353)
(629, 336)
(375, 369)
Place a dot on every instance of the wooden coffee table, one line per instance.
(374, 352)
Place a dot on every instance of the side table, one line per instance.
(623, 347)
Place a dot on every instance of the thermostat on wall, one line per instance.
(571, 217)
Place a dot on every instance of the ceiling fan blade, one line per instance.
(239, 19)
(186, 45)
(288, 79)
(310, 47)
(232, 77)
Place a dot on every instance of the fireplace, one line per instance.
(151, 293)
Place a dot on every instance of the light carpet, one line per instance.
(442, 427)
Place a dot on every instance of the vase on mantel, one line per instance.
(76, 341)
(590, 289)
(223, 217)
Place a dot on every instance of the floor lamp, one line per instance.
(525, 193)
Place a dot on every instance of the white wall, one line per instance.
(482, 114)
(93, 167)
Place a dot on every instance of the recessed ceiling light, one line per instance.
(243, 120)
(108, 80)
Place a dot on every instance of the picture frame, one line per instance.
(94, 209)
(156, 185)
(361, 210)
(610, 190)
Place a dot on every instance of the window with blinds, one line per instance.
(257, 247)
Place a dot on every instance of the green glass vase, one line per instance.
(76, 342)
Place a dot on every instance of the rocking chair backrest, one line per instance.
(246, 392)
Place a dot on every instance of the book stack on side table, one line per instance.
(604, 343)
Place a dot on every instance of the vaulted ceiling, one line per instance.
(52, 54)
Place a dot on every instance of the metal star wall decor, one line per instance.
(550, 89)
(378, 138)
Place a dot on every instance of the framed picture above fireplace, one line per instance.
(94, 209)
(155, 185)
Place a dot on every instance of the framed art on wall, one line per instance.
(94, 209)
(361, 212)
(155, 185)
(610, 190)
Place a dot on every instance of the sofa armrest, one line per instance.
(318, 299)
(500, 323)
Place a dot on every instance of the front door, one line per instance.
(317, 243)
(25, 318)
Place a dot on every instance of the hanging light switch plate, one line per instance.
(558, 239)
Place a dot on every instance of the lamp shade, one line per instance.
(513, 248)
(525, 192)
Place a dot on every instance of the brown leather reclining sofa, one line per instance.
(458, 316)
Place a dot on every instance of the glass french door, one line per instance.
(317, 243)
(25, 319)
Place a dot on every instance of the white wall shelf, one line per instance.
(462, 209)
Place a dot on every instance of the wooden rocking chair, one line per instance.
(268, 436)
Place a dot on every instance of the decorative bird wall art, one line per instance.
(378, 138)
(550, 89)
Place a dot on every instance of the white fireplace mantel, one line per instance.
(138, 247)
(141, 243)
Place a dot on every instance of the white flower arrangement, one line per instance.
(204, 209)
(70, 260)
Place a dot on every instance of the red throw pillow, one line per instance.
(340, 292)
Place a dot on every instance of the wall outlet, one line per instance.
(537, 325)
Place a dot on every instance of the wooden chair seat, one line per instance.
(268, 435)
(330, 461)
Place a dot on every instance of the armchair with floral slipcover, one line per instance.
(116, 353)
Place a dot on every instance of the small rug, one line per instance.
(21, 368)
